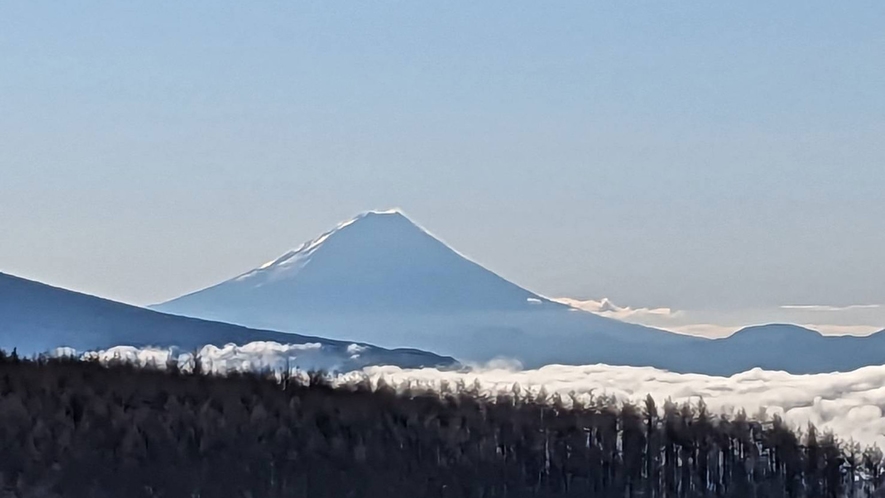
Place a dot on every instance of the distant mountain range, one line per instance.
(380, 278)
(36, 318)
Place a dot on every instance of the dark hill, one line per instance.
(35, 318)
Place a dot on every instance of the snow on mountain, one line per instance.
(377, 262)
(380, 278)
(36, 318)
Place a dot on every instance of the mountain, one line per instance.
(378, 262)
(380, 278)
(791, 348)
(36, 318)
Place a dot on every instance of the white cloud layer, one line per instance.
(850, 404)
(858, 319)
(255, 356)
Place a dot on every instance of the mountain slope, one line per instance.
(376, 262)
(380, 278)
(35, 317)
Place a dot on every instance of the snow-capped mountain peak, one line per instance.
(391, 224)
(378, 261)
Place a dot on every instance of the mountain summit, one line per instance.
(378, 262)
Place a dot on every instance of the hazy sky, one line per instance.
(682, 154)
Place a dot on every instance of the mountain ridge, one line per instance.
(36, 317)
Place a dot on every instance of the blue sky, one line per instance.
(692, 155)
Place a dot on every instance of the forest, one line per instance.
(83, 429)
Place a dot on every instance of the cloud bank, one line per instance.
(255, 356)
(856, 319)
(851, 404)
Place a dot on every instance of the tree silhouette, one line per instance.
(82, 429)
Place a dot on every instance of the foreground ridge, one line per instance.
(82, 429)
(37, 318)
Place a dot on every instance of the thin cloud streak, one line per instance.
(857, 320)
(609, 309)
(823, 307)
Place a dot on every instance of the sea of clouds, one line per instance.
(850, 404)
(255, 356)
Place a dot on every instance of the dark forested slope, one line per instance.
(74, 429)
